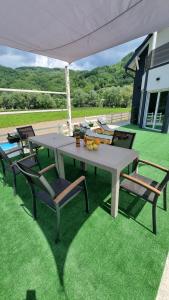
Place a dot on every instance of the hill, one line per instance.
(98, 87)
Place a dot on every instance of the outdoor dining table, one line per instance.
(109, 158)
(52, 141)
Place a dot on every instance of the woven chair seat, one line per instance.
(139, 190)
(58, 186)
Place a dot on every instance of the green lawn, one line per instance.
(22, 119)
(99, 257)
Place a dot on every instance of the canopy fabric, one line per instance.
(73, 29)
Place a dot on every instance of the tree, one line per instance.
(102, 86)
(80, 98)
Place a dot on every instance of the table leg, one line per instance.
(30, 147)
(61, 167)
(56, 159)
(115, 194)
(83, 166)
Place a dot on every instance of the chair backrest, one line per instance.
(35, 179)
(25, 132)
(123, 139)
(4, 157)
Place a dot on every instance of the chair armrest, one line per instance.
(46, 169)
(153, 165)
(142, 183)
(27, 157)
(14, 150)
(68, 189)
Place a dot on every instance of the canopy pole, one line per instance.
(67, 79)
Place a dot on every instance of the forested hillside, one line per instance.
(107, 86)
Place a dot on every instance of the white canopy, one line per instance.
(73, 29)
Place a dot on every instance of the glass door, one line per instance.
(161, 111)
(151, 110)
(156, 110)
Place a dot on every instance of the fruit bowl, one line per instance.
(91, 143)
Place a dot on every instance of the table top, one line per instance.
(52, 140)
(108, 157)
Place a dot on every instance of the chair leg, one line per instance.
(34, 208)
(154, 219)
(57, 224)
(165, 198)
(14, 183)
(74, 162)
(39, 165)
(3, 172)
(83, 168)
(95, 171)
(86, 196)
(48, 153)
(37, 161)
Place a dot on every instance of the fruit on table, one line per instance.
(90, 147)
(95, 146)
(97, 141)
(92, 144)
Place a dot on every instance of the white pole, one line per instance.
(67, 79)
(154, 40)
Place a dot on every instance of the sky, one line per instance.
(13, 58)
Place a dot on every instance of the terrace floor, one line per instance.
(99, 257)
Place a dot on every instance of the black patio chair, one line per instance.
(55, 194)
(24, 133)
(146, 188)
(122, 139)
(9, 165)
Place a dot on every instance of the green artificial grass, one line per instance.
(23, 119)
(98, 257)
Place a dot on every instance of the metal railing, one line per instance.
(110, 118)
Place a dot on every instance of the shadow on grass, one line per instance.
(129, 206)
(30, 295)
(73, 215)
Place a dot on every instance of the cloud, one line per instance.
(107, 57)
(43, 61)
(15, 58)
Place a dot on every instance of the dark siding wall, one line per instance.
(137, 87)
(165, 128)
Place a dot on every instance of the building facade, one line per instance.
(150, 68)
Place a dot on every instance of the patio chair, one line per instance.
(146, 188)
(55, 194)
(106, 129)
(8, 165)
(122, 139)
(24, 133)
